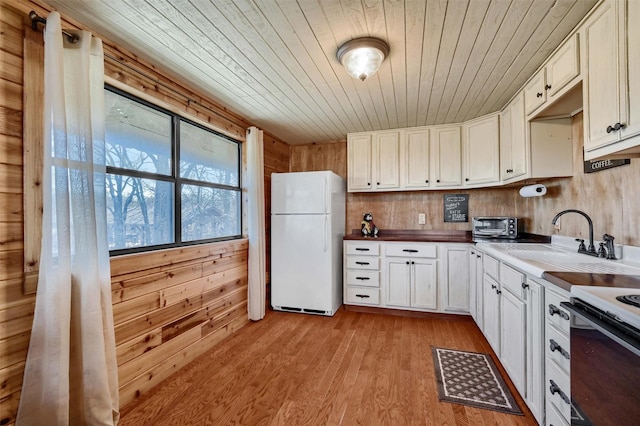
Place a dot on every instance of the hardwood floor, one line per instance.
(293, 369)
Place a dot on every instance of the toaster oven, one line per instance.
(496, 227)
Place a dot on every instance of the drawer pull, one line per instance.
(554, 346)
(362, 249)
(363, 278)
(553, 309)
(525, 286)
(363, 296)
(362, 263)
(554, 388)
(409, 250)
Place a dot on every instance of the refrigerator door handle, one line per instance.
(326, 231)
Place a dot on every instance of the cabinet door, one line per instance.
(491, 312)
(456, 290)
(513, 143)
(482, 151)
(602, 90)
(632, 91)
(446, 155)
(359, 162)
(534, 93)
(479, 291)
(471, 263)
(535, 348)
(512, 338)
(387, 167)
(563, 66)
(424, 284)
(398, 282)
(416, 159)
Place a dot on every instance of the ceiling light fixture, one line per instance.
(362, 57)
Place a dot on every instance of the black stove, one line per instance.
(630, 299)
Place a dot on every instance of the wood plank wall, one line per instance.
(610, 197)
(169, 306)
(172, 306)
(399, 210)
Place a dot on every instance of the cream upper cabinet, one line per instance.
(534, 93)
(560, 74)
(481, 147)
(373, 160)
(415, 159)
(513, 141)
(359, 161)
(612, 79)
(446, 156)
(386, 170)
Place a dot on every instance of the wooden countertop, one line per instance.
(565, 280)
(440, 236)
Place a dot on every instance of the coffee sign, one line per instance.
(592, 166)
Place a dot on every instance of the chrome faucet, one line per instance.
(591, 250)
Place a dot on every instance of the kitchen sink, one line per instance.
(537, 258)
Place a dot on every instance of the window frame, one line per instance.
(177, 180)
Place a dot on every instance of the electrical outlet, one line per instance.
(422, 219)
(557, 225)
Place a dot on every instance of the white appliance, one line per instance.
(307, 228)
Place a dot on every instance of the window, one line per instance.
(170, 181)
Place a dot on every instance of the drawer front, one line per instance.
(411, 250)
(554, 418)
(512, 280)
(555, 314)
(363, 262)
(558, 389)
(364, 277)
(491, 266)
(363, 296)
(362, 248)
(558, 348)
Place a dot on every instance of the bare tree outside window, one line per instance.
(142, 149)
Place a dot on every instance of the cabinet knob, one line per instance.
(493, 286)
(615, 127)
(407, 262)
(426, 181)
(368, 183)
(539, 94)
(509, 170)
(466, 179)
(547, 87)
(554, 388)
(413, 263)
(438, 180)
(377, 183)
(525, 286)
(478, 256)
(498, 292)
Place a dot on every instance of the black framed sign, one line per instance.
(456, 207)
(591, 166)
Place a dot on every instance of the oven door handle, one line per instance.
(625, 335)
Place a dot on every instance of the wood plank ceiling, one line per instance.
(274, 62)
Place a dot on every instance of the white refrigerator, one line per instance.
(307, 227)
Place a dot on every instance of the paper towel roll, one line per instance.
(533, 190)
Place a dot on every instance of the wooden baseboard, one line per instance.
(405, 313)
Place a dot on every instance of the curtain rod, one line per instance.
(37, 19)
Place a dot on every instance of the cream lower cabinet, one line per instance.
(361, 273)
(411, 276)
(455, 280)
(513, 324)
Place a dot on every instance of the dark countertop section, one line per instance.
(565, 280)
(441, 236)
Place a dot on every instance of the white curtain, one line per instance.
(70, 375)
(257, 255)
